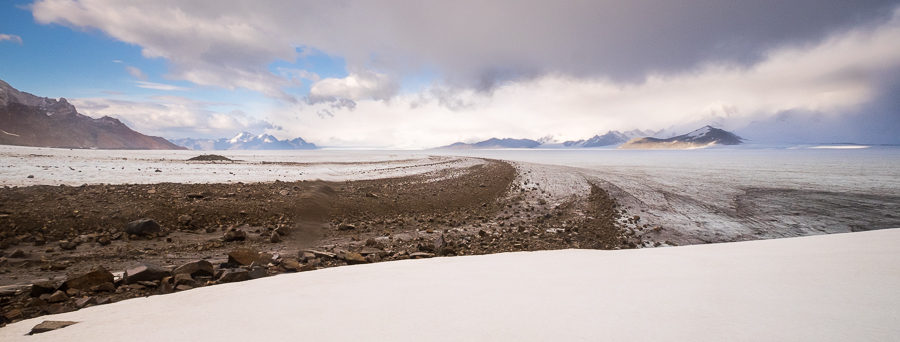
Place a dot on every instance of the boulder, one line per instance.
(145, 272)
(142, 227)
(46, 326)
(234, 275)
(234, 235)
(196, 268)
(37, 289)
(352, 258)
(18, 254)
(184, 279)
(57, 297)
(88, 280)
(420, 255)
(85, 301)
(291, 265)
(246, 256)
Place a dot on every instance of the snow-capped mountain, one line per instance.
(245, 141)
(704, 137)
(610, 138)
(30, 120)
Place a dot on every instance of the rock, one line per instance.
(275, 237)
(284, 192)
(12, 315)
(258, 272)
(346, 226)
(73, 292)
(148, 283)
(88, 280)
(291, 265)
(184, 279)
(12, 290)
(67, 245)
(370, 250)
(185, 220)
(195, 196)
(420, 255)
(145, 272)
(244, 256)
(37, 289)
(371, 195)
(18, 254)
(46, 326)
(234, 275)
(318, 254)
(104, 240)
(57, 297)
(85, 301)
(57, 308)
(196, 268)
(142, 227)
(30, 176)
(234, 234)
(352, 258)
(183, 287)
(105, 287)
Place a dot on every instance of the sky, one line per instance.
(401, 74)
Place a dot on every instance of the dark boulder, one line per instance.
(88, 280)
(145, 272)
(142, 227)
(196, 268)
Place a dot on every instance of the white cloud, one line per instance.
(136, 72)
(356, 86)
(171, 116)
(159, 86)
(10, 37)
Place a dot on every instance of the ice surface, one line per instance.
(840, 287)
(731, 194)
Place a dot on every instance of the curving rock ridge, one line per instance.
(704, 137)
(29, 120)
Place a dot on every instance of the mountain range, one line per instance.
(245, 141)
(29, 120)
(634, 139)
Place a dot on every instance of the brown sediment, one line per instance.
(62, 231)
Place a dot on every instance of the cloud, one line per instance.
(230, 43)
(159, 86)
(11, 37)
(172, 116)
(344, 92)
(136, 73)
(835, 81)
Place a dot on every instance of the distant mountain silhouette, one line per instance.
(495, 143)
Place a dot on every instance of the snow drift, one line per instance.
(839, 287)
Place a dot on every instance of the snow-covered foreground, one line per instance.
(840, 287)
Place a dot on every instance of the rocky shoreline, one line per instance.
(64, 248)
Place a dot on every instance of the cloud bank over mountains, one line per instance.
(515, 68)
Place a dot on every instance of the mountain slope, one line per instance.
(245, 141)
(703, 137)
(29, 120)
(495, 143)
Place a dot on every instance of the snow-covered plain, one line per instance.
(839, 287)
(53, 166)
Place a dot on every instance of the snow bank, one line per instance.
(842, 287)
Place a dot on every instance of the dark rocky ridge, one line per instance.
(29, 120)
(703, 137)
